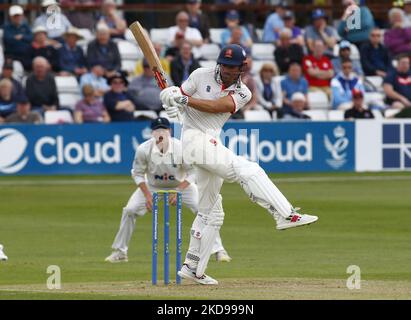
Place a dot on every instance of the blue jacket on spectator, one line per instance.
(70, 59)
(108, 56)
(17, 49)
(373, 59)
(342, 88)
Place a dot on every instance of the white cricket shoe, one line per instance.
(295, 220)
(3, 257)
(189, 274)
(117, 256)
(222, 256)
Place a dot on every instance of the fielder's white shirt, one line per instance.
(202, 85)
(161, 170)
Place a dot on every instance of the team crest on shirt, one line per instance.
(208, 88)
(213, 141)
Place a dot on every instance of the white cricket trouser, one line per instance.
(136, 207)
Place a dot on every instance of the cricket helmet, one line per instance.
(232, 55)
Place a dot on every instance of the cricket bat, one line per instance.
(150, 54)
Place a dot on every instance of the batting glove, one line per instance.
(172, 111)
(167, 95)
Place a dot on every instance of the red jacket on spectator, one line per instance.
(323, 64)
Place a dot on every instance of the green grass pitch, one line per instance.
(365, 220)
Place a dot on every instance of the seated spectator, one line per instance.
(145, 90)
(343, 84)
(118, 101)
(296, 33)
(165, 63)
(41, 89)
(53, 20)
(174, 50)
(17, 35)
(319, 30)
(198, 20)
(293, 82)
(397, 84)
(182, 66)
(360, 35)
(375, 58)
(96, 79)
(318, 69)
(43, 47)
(358, 109)
(191, 35)
(112, 18)
(23, 113)
(237, 38)
(398, 38)
(407, 11)
(104, 51)
(7, 103)
(295, 112)
(286, 51)
(274, 23)
(7, 73)
(71, 56)
(90, 108)
(232, 22)
(344, 54)
(267, 88)
(84, 19)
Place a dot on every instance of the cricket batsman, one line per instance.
(158, 166)
(206, 101)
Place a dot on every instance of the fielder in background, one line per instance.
(3, 257)
(158, 166)
(206, 101)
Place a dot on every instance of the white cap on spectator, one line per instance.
(39, 29)
(298, 96)
(47, 3)
(15, 10)
(102, 27)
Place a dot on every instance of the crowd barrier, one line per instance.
(363, 145)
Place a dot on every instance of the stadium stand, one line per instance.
(257, 115)
(58, 117)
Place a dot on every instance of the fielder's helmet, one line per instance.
(232, 55)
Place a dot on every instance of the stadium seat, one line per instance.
(335, 115)
(374, 98)
(159, 35)
(18, 70)
(145, 113)
(207, 63)
(67, 84)
(263, 51)
(69, 100)
(318, 100)
(316, 115)
(129, 50)
(390, 113)
(128, 65)
(87, 34)
(209, 51)
(279, 92)
(376, 81)
(128, 35)
(215, 35)
(259, 33)
(377, 114)
(257, 115)
(58, 117)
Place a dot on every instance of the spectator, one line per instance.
(104, 51)
(96, 79)
(344, 54)
(248, 79)
(318, 69)
(41, 87)
(7, 73)
(375, 58)
(407, 11)
(295, 112)
(293, 82)
(145, 90)
(233, 22)
(7, 103)
(182, 66)
(84, 19)
(174, 50)
(71, 56)
(112, 19)
(43, 47)
(165, 63)
(319, 30)
(267, 88)
(287, 52)
(359, 35)
(191, 35)
(53, 20)
(23, 113)
(397, 84)
(343, 84)
(237, 38)
(274, 23)
(90, 108)
(296, 33)
(358, 109)
(118, 100)
(398, 38)
(198, 20)
(17, 35)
